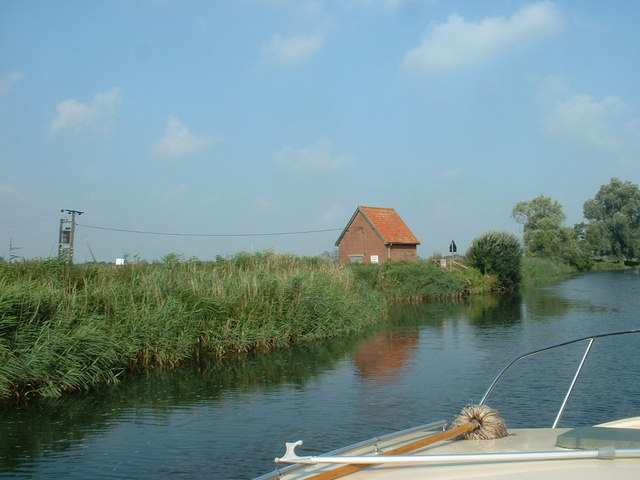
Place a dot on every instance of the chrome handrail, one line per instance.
(550, 347)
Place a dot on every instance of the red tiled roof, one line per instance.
(389, 225)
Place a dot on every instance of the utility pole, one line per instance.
(67, 235)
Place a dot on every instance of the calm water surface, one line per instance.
(229, 421)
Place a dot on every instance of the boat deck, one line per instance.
(520, 441)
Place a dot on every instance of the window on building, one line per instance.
(356, 258)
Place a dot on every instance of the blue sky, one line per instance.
(219, 119)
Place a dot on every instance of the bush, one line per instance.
(499, 254)
(412, 282)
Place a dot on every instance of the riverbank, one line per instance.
(541, 271)
(67, 328)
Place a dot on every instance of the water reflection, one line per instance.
(432, 314)
(546, 303)
(42, 429)
(481, 311)
(386, 355)
(490, 311)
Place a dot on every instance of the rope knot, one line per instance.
(490, 424)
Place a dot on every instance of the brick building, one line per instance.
(375, 235)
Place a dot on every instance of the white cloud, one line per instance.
(317, 157)
(584, 121)
(178, 141)
(8, 81)
(291, 50)
(307, 17)
(74, 116)
(459, 43)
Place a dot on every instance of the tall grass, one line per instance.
(542, 271)
(404, 282)
(66, 328)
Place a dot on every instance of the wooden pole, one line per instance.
(409, 447)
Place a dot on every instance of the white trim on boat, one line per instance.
(603, 453)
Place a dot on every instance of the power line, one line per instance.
(143, 232)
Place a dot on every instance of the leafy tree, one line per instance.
(542, 219)
(545, 234)
(330, 256)
(540, 213)
(573, 248)
(499, 254)
(614, 213)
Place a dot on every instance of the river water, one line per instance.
(228, 421)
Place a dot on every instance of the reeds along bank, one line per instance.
(66, 328)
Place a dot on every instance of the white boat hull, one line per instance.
(524, 454)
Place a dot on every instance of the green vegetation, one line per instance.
(612, 233)
(543, 271)
(416, 282)
(614, 230)
(546, 236)
(499, 254)
(66, 328)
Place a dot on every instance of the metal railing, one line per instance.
(590, 340)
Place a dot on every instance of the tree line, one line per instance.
(611, 232)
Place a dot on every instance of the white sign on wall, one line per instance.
(374, 258)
